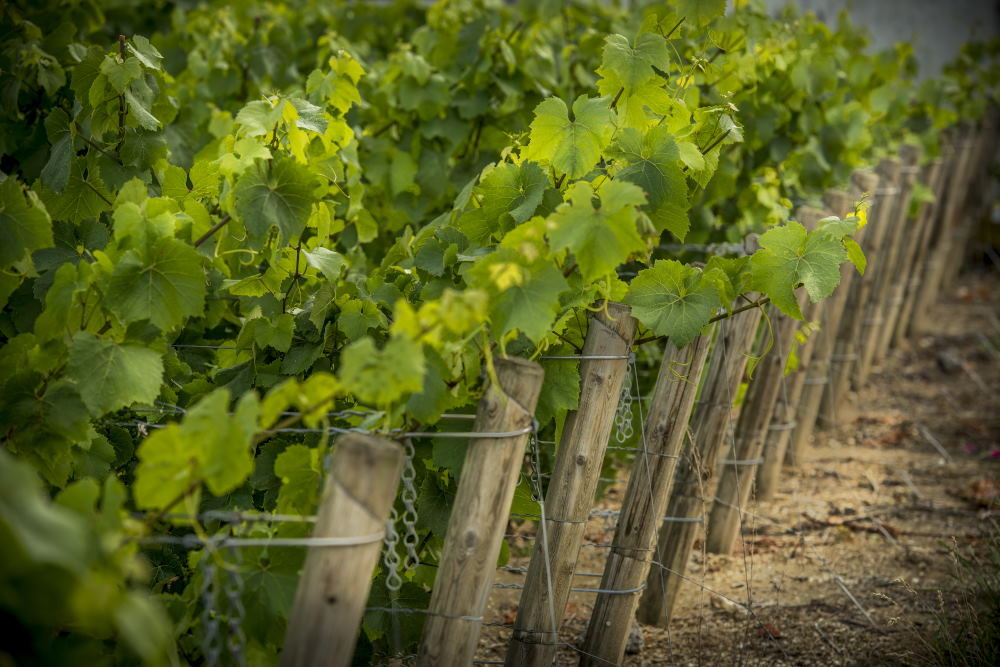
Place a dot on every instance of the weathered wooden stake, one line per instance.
(933, 178)
(779, 431)
(968, 218)
(738, 470)
(646, 496)
(693, 481)
(827, 313)
(571, 488)
(895, 283)
(951, 212)
(475, 528)
(877, 274)
(333, 589)
(847, 351)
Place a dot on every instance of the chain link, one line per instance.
(409, 498)
(391, 559)
(624, 429)
(533, 476)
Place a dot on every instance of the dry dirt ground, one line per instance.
(850, 563)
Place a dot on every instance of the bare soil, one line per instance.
(850, 563)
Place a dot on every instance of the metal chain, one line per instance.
(624, 429)
(236, 641)
(409, 498)
(534, 478)
(391, 559)
(211, 645)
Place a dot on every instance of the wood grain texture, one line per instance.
(779, 431)
(842, 204)
(695, 473)
(571, 488)
(649, 486)
(949, 212)
(847, 350)
(977, 200)
(736, 480)
(897, 255)
(476, 525)
(335, 582)
(882, 219)
(935, 178)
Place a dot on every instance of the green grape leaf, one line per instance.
(310, 117)
(164, 284)
(572, 147)
(701, 12)
(357, 317)
(653, 165)
(145, 52)
(210, 445)
(561, 389)
(258, 118)
(223, 440)
(326, 261)
(111, 375)
(673, 300)
(277, 195)
(121, 74)
(24, 224)
(790, 256)
(691, 156)
(730, 275)
(382, 377)
(600, 238)
(300, 472)
(515, 190)
(55, 173)
(856, 255)
(140, 112)
(633, 65)
(524, 297)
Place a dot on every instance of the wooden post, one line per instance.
(475, 529)
(645, 501)
(955, 200)
(693, 481)
(895, 283)
(976, 194)
(877, 273)
(333, 589)
(847, 350)
(779, 431)
(571, 488)
(933, 178)
(831, 341)
(818, 371)
(737, 476)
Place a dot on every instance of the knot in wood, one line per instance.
(581, 459)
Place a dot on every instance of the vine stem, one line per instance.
(97, 192)
(716, 142)
(122, 111)
(614, 102)
(162, 512)
(94, 145)
(676, 26)
(753, 304)
(216, 227)
(291, 420)
(295, 278)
